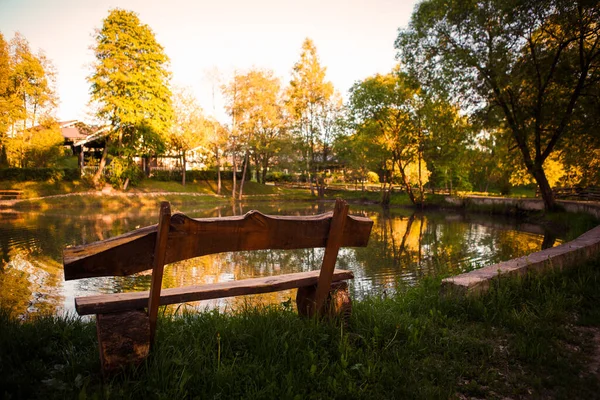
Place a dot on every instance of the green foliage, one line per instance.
(255, 101)
(524, 67)
(190, 128)
(124, 170)
(191, 175)
(39, 174)
(130, 85)
(308, 102)
(279, 177)
(39, 147)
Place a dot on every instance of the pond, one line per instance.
(404, 246)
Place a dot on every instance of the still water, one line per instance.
(404, 246)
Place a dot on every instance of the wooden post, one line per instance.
(334, 242)
(160, 250)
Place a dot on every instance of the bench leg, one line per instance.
(338, 304)
(123, 338)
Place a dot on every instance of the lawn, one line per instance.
(533, 337)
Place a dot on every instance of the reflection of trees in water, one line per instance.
(410, 246)
(403, 245)
(30, 286)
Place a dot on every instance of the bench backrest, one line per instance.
(187, 238)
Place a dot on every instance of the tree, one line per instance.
(532, 60)
(231, 92)
(262, 117)
(189, 129)
(5, 100)
(217, 138)
(31, 83)
(307, 96)
(130, 83)
(445, 137)
(382, 106)
(37, 147)
(4, 86)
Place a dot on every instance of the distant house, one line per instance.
(85, 141)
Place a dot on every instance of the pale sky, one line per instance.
(354, 39)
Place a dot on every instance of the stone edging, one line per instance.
(566, 255)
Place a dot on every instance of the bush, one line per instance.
(278, 177)
(122, 170)
(372, 177)
(39, 174)
(190, 176)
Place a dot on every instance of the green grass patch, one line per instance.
(527, 337)
(33, 189)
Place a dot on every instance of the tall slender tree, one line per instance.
(130, 84)
(189, 129)
(308, 93)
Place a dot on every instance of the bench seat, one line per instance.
(115, 302)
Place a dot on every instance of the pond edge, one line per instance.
(567, 255)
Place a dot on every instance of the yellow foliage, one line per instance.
(553, 167)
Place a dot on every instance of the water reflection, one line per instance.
(404, 246)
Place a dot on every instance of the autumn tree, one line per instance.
(5, 100)
(232, 92)
(31, 86)
(189, 129)
(531, 60)
(38, 147)
(130, 84)
(307, 96)
(26, 97)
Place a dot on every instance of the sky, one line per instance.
(354, 39)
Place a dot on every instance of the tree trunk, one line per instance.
(411, 195)
(218, 169)
(183, 162)
(98, 173)
(246, 156)
(233, 190)
(265, 168)
(421, 198)
(545, 189)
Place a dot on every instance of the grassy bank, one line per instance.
(43, 195)
(527, 338)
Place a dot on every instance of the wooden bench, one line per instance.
(10, 194)
(126, 330)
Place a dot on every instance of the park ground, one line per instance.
(43, 195)
(532, 337)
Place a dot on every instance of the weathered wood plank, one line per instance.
(188, 238)
(160, 250)
(334, 242)
(125, 301)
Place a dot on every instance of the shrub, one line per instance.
(193, 175)
(39, 174)
(278, 177)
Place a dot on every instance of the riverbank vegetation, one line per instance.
(537, 336)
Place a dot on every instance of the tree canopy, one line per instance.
(532, 61)
(130, 84)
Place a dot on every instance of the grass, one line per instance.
(33, 189)
(528, 337)
(42, 195)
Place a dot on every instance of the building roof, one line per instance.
(72, 133)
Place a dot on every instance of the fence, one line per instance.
(591, 193)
